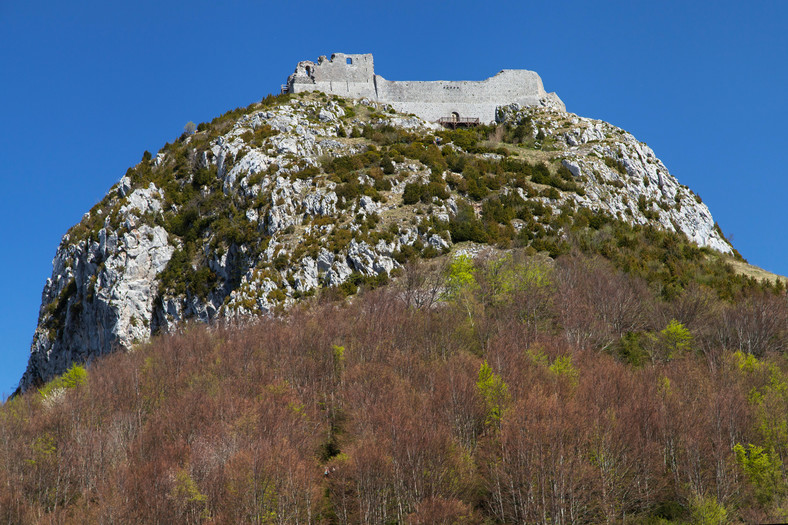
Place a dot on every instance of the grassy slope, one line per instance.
(749, 270)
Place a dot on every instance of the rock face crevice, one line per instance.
(267, 206)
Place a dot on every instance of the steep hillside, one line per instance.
(535, 391)
(271, 203)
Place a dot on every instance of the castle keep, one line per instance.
(354, 76)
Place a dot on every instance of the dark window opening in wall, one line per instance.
(349, 61)
(455, 116)
(308, 70)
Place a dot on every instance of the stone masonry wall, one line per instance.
(344, 75)
(473, 99)
(352, 75)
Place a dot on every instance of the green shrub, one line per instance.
(405, 253)
(348, 288)
(630, 349)
(494, 394)
(179, 276)
(762, 468)
(518, 133)
(171, 279)
(387, 165)
(415, 192)
(706, 510)
(204, 176)
(338, 239)
(71, 378)
(476, 190)
(551, 193)
(348, 192)
(616, 164)
(412, 193)
(493, 210)
(307, 173)
(276, 296)
(466, 227)
(281, 261)
(429, 252)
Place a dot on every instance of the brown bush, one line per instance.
(369, 411)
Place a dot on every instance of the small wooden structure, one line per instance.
(455, 121)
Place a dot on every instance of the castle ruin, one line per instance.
(353, 75)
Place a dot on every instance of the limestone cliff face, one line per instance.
(268, 204)
(100, 296)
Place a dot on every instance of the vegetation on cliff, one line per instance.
(249, 213)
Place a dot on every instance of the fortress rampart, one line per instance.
(354, 76)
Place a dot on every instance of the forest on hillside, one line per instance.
(502, 389)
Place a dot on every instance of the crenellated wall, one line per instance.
(353, 75)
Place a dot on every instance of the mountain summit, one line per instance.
(306, 191)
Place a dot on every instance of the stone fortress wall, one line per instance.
(353, 75)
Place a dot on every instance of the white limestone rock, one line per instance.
(124, 186)
(438, 242)
(409, 236)
(279, 218)
(325, 260)
(319, 202)
(253, 162)
(306, 277)
(326, 116)
(366, 260)
(107, 289)
(367, 206)
(147, 200)
(338, 273)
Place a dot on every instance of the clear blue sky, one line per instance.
(86, 87)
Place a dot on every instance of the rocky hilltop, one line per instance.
(271, 203)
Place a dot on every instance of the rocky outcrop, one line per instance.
(100, 297)
(620, 175)
(264, 207)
